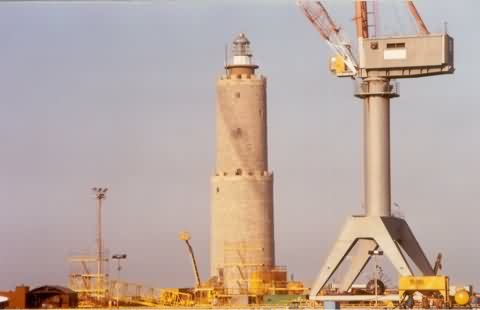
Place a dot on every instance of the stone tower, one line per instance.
(242, 232)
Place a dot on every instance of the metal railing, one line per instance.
(362, 89)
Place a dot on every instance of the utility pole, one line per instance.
(118, 257)
(375, 253)
(100, 195)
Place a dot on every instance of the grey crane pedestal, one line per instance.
(368, 233)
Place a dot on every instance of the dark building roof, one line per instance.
(51, 289)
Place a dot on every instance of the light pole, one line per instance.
(100, 195)
(118, 257)
(375, 253)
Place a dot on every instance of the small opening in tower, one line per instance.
(237, 94)
(237, 132)
(238, 172)
(218, 189)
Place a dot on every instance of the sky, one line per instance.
(121, 94)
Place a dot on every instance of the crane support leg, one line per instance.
(414, 250)
(387, 233)
(340, 250)
(359, 260)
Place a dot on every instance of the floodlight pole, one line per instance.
(100, 195)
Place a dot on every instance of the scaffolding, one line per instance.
(92, 287)
(241, 259)
(99, 290)
(245, 273)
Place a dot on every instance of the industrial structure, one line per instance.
(242, 239)
(46, 296)
(89, 273)
(243, 267)
(380, 60)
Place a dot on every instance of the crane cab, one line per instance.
(406, 56)
(339, 67)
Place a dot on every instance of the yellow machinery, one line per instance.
(273, 282)
(462, 297)
(174, 297)
(185, 236)
(435, 289)
(271, 287)
(204, 295)
(296, 288)
(339, 67)
(268, 281)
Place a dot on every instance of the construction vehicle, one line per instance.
(185, 236)
(202, 293)
(434, 291)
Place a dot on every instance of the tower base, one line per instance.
(368, 233)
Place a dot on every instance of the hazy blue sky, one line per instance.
(122, 94)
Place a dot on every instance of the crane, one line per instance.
(185, 236)
(380, 59)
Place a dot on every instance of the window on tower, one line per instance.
(237, 132)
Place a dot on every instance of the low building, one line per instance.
(47, 296)
(17, 299)
(52, 297)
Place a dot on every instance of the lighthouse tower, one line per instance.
(242, 233)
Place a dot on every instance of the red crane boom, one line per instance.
(422, 28)
(318, 15)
